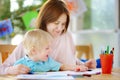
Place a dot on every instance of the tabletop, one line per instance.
(115, 75)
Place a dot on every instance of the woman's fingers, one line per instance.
(22, 69)
(91, 63)
(18, 69)
(81, 68)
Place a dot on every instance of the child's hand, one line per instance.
(81, 68)
(91, 63)
(18, 69)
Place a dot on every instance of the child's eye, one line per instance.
(47, 48)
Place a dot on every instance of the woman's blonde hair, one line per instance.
(50, 12)
(36, 38)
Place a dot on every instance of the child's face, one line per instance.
(43, 54)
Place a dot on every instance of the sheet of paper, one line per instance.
(93, 71)
(57, 75)
(45, 77)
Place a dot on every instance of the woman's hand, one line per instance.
(81, 68)
(91, 63)
(18, 69)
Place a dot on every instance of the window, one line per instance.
(101, 15)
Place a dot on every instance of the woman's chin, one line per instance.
(56, 35)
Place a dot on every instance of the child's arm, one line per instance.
(73, 68)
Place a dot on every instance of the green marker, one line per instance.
(107, 50)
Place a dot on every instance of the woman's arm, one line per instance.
(73, 68)
(67, 67)
(90, 63)
(18, 69)
(15, 55)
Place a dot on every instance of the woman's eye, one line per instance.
(63, 24)
(56, 23)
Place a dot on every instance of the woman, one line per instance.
(53, 18)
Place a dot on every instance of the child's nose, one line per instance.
(49, 51)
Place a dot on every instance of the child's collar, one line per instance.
(28, 59)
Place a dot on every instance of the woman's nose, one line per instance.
(59, 27)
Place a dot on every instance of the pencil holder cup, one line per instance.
(106, 63)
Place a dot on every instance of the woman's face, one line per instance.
(56, 28)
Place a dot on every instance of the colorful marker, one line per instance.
(107, 50)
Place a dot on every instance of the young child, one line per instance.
(37, 45)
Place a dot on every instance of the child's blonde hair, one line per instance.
(36, 38)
